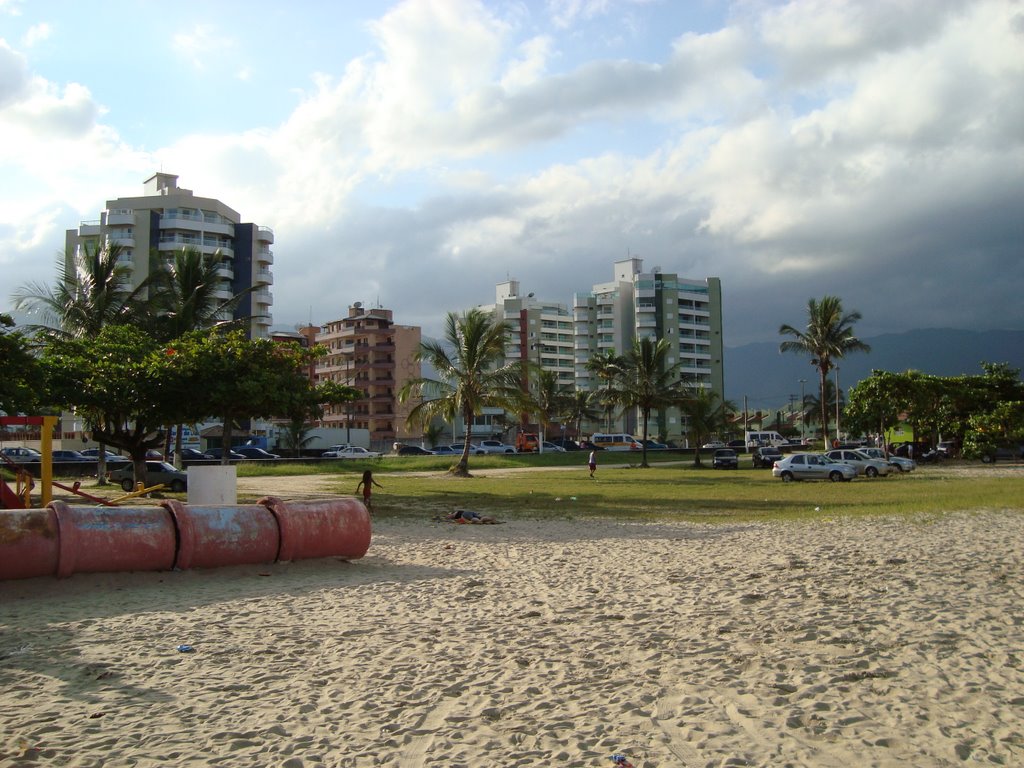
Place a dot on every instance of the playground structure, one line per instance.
(20, 497)
(62, 540)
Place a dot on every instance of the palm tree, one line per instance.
(186, 294)
(93, 290)
(705, 416)
(185, 297)
(827, 337)
(546, 401)
(472, 375)
(645, 381)
(606, 366)
(579, 407)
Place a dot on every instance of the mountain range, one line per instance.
(767, 379)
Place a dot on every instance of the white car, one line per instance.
(864, 464)
(899, 463)
(493, 446)
(22, 455)
(350, 452)
(812, 466)
(714, 444)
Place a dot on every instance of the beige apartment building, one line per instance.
(369, 351)
(167, 218)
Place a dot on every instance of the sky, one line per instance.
(414, 154)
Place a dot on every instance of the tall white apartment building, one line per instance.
(167, 218)
(655, 305)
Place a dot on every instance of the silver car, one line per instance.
(899, 463)
(812, 466)
(864, 464)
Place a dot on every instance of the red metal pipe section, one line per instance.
(321, 528)
(211, 537)
(61, 540)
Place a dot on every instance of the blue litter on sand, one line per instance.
(186, 649)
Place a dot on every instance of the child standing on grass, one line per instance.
(367, 484)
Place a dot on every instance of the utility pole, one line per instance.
(837, 402)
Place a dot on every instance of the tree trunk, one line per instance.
(225, 456)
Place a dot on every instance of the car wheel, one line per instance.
(835, 477)
(510, 451)
(899, 467)
(871, 472)
(127, 485)
(787, 477)
(177, 486)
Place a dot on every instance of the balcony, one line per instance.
(89, 229)
(265, 256)
(265, 234)
(264, 277)
(120, 217)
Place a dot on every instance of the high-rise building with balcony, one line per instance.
(167, 218)
(368, 351)
(654, 305)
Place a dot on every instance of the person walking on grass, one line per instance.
(592, 462)
(367, 484)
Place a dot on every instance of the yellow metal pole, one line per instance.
(46, 465)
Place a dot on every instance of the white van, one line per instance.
(616, 442)
(755, 439)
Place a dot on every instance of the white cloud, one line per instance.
(37, 33)
(201, 44)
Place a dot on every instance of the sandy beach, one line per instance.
(878, 642)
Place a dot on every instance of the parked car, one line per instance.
(110, 456)
(191, 454)
(947, 448)
(812, 466)
(765, 456)
(736, 444)
(653, 445)
(566, 442)
(899, 463)
(218, 453)
(587, 445)
(252, 452)
(493, 446)
(65, 455)
(21, 455)
(864, 464)
(725, 458)
(1002, 453)
(553, 448)
(157, 473)
(351, 452)
(445, 450)
(714, 444)
(413, 450)
(154, 454)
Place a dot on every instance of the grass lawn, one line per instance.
(559, 487)
(670, 490)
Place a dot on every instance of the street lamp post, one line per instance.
(803, 408)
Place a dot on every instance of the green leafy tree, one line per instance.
(472, 375)
(118, 380)
(647, 382)
(21, 378)
(827, 337)
(876, 402)
(238, 378)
